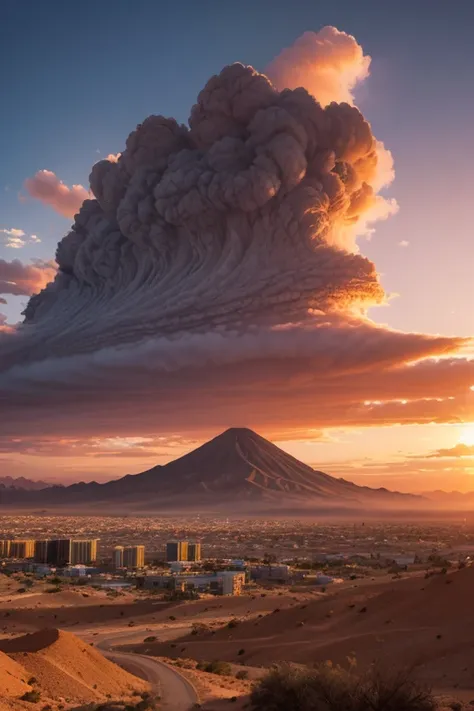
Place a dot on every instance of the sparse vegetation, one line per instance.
(216, 667)
(32, 696)
(151, 638)
(327, 688)
(242, 674)
(232, 623)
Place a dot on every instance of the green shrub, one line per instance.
(327, 688)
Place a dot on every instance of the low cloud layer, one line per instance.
(213, 279)
(46, 187)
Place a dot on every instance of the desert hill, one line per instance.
(236, 467)
(65, 667)
(424, 623)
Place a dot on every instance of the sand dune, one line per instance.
(66, 667)
(13, 677)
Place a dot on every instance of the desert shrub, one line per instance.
(240, 652)
(21, 590)
(53, 590)
(216, 667)
(242, 674)
(232, 623)
(31, 696)
(327, 688)
(32, 680)
(151, 638)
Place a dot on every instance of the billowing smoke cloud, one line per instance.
(207, 274)
(25, 279)
(328, 63)
(46, 187)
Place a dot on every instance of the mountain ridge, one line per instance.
(237, 465)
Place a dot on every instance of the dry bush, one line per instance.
(327, 688)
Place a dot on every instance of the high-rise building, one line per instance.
(5, 549)
(134, 556)
(118, 557)
(194, 552)
(84, 551)
(41, 551)
(176, 550)
(22, 549)
(59, 552)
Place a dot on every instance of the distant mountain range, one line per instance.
(9, 482)
(237, 470)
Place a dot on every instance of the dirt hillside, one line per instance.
(424, 623)
(65, 666)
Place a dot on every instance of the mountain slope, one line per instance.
(237, 465)
(21, 483)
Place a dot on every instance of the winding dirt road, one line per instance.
(176, 692)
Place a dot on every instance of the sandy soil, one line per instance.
(425, 624)
(64, 668)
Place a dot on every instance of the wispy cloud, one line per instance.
(15, 238)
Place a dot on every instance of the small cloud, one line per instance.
(13, 232)
(15, 238)
(46, 187)
(404, 243)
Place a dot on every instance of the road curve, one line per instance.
(177, 693)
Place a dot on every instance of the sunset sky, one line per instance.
(391, 409)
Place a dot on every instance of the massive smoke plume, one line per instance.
(211, 250)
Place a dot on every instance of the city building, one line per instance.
(78, 571)
(194, 552)
(22, 549)
(134, 556)
(279, 573)
(4, 549)
(227, 582)
(41, 551)
(84, 551)
(59, 552)
(176, 550)
(118, 557)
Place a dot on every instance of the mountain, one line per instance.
(20, 482)
(238, 467)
